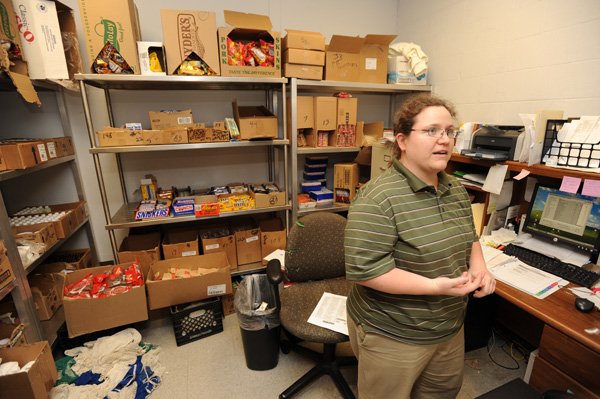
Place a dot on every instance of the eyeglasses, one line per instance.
(438, 132)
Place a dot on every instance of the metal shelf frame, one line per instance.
(297, 86)
(123, 217)
(19, 288)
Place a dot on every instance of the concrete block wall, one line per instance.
(496, 59)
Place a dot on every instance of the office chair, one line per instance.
(314, 261)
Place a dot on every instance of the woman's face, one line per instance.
(423, 155)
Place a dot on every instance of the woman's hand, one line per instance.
(487, 286)
(458, 286)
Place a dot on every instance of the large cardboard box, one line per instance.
(272, 236)
(166, 136)
(72, 259)
(35, 383)
(216, 281)
(300, 39)
(143, 247)
(14, 65)
(87, 315)
(218, 238)
(342, 60)
(255, 122)
(41, 37)
(345, 182)
(262, 200)
(246, 28)
(170, 119)
(114, 21)
(6, 273)
(179, 243)
(347, 111)
(118, 137)
(185, 32)
(374, 58)
(305, 57)
(325, 113)
(47, 290)
(312, 72)
(22, 155)
(247, 241)
(305, 113)
(42, 233)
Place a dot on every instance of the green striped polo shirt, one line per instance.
(397, 220)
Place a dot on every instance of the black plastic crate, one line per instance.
(563, 153)
(193, 321)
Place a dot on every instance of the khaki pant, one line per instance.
(389, 369)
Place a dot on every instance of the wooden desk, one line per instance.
(569, 358)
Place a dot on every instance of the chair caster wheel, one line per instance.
(286, 347)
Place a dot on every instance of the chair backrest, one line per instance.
(315, 247)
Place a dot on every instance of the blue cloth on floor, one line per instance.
(143, 376)
(88, 378)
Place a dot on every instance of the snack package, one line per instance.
(109, 60)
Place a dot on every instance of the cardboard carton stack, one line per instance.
(345, 181)
(303, 54)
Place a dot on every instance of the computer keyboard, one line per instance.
(569, 272)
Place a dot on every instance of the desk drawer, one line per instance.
(571, 357)
(545, 377)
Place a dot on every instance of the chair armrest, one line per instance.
(274, 272)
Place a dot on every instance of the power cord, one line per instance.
(503, 347)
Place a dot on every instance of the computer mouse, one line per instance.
(584, 305)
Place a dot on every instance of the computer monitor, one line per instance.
(573, 219)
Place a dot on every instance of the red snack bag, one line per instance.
(84, 284)
(116, 277)
(269, 50)
(97, 288)
(133, 275)
(84, 294)
(117, 290)
(99, 278)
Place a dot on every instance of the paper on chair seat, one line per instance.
(330, 313)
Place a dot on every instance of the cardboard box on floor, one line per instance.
(15, 69)
(247, 241)
(272, 236)
(226, 243)
(87, 315)
(178, 243)
(185, 32)
(164, 293)
(374, 58)
(35, 383)
(300, 39)
(342, 58)
(114, 21)
(255, 122)
(143, 247)
(245, 28)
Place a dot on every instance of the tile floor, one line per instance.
(214, 367)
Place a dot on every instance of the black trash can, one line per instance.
(258, 316)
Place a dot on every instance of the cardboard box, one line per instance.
(185, 32)
(163, 293)
(143, 247)
(198, 133)
(247, 241)
(46, 290)
(272, 236)
(72, 259)
(22, 155)
(246, 28)
(117, 137)
(347, 111)
(41, 38)
(305, 114)
(342, 59)
(255, 122)
(35, 383)
(374, 58)
(305, 57)
(218, 238)
(16, 69)
(170, 119)
(14, 333)
(270, 199)
(300, 39)
(179, 243)
(144, 51)
(299, 71)
(325, 113)
(43, 233)
(87, 315)
(6, 273)
(381, 158)
(206, 205)
(64, 146)
(345, 182)
(114, 21)
(166, 136)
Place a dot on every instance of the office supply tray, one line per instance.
(563, 153)
(193, 321)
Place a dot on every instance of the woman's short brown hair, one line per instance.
(405, 117)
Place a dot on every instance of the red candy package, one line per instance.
(85, 284)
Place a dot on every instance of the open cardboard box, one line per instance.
(246, 28)
(185, 32)
(87, 315)
(164, 293)
(255, 122)
(143, 247)
(35, 383)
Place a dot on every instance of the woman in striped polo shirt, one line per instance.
(412, 250)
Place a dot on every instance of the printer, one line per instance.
(498, 143)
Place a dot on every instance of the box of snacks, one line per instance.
(248, 47)
(267, 195)
(103, 297)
